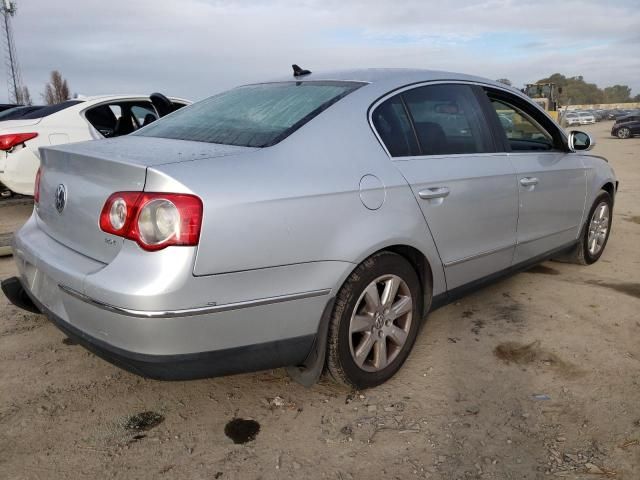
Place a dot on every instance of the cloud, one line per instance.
(194, 48)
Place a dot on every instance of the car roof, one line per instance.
(389, 77)
(106, 98)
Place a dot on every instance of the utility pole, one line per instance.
(14, 80)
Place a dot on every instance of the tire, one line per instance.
(623, 133)
(583, 253)
(376, 328)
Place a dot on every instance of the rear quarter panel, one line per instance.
(299, 201)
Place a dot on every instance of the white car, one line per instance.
(572, 118)
(586, 118)
(78, 120)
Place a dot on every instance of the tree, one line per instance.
(617, 94)
(57, 90)
(506, 81)
(24, 97)
(575, 90)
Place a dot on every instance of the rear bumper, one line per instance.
(18, 170)
(291, 351)
(268, 327)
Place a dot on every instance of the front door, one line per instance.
(552, 182)
(466, 190)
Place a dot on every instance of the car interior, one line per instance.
(121, 118)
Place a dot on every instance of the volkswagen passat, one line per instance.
(311, 222)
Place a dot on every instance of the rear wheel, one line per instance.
(375, 321)
(623, 133)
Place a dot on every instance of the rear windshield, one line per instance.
(17, 112)
(251, 116)
(48, 110)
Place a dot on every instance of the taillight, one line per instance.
(153, 220)
(36, 188)
(10, 140)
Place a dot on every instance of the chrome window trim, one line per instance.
(425, 83)
(451, 155)
(207, 309)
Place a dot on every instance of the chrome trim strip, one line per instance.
(196, 310)
(546, 235)
(478, 255)
(500, 249)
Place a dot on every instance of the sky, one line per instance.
(196, 48)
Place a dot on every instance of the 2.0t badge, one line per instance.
(61, 198)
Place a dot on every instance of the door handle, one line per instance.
(528, 181)
(434, 192)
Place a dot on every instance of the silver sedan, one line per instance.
(311, 222)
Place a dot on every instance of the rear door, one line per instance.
(551, 180)
(439, 140)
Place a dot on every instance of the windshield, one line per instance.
(251, 116)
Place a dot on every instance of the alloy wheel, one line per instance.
(380, 323)
(598, 228)
(624, 133)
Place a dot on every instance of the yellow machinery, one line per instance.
(546, 95)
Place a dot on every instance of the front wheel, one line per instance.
(375, 321)
(623, 133)
(595, 233)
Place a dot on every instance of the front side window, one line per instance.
(143, 114)
(251, 116)
(522, 132)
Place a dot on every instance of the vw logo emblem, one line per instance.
(61, 198)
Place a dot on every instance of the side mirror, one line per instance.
(580, 141)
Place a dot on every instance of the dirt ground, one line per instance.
(537, 376)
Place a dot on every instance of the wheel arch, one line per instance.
(610, 188)
(421, 265)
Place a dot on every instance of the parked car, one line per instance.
(586, 118)
(319, 217)
(615, 114)
(70, 121)
(626, 127)
(572, 118)
(633, 117)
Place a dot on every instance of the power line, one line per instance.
(14, 79)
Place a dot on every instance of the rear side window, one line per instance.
(251, 116)
(448, 120)
(46, 111)
(392, 124)
(433, 120)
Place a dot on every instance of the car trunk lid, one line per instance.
(77, 179)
